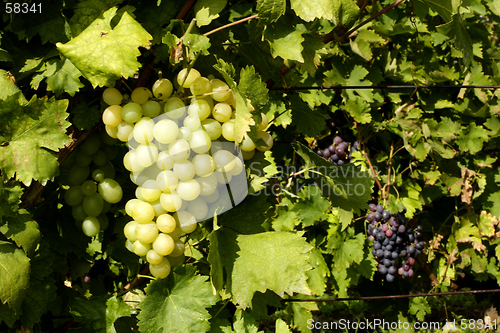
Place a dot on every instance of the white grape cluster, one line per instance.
(182, 157)
(91, 199)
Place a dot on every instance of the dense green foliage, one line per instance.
(301, 231)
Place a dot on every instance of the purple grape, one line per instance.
(380, 208)
(382, 269)
(405, 274)
(326, 153)
(410, 272)
(386, 215)
(376, 245)
(388, 233)
(378, 216)
(334, 158)
(340, 151)
(379, 254)
(370, 217)
(392, 270)
(411, 261)
(411, 249)
(331, 148)
(401, 229)
(86, 278)
(337, 140)
(389, 277)
(387, 263)
(340, 163)
(385, 227)
(372, 207)
(319, 152)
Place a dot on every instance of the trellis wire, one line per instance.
(385, 87)
(369, 298)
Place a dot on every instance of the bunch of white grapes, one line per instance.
(181, 153)
(92, 189)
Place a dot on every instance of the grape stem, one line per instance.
(363, 148)
(231, 24)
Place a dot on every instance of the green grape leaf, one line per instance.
(10, 197)
(347, 186)
(252, 87)
(472, 138)
(445, 8)
(282, 327)
(316, 278)
(85, 117)
(86, 11)
(197, 43)
(208, 10)
(357, 78)
(270, 10)
(38, 128)
(22, 230)
(419, 307)
(244, 322)
(243, 117)
(14, 275)
(359, 109)
(155, 18)
(36, 303)
(340, 12)
(308, 121)
(285, 40)
(104, 54)
(99, 314)
(276, 261)
(457, 32)
(177, 303)
(347, 248)
(62, 76)
(8, 315)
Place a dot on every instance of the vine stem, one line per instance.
(231, 24)
(362, 145)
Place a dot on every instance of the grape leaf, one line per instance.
(99, 314)
(7, 315)
(38, 130)
(316, 278)
(285, 40)
(272, 260)
(86, 11)
(62, 76)
(445, 8)
(472, 138)
(282, 327)
(244, 322)
(208, 10)
(347, 186)
(86, 116)
(308, 121)
(14, 275)
(104, 54)
(154, 18)
(252, 87)
(340, 12)
(347, 248)
(36, 303)
(10, 197)
(270, 10)
(23, 230)
(197, 43)
(458, 34)
(177, 303)
(419, 307)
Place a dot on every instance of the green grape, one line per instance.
(185, 78)
(158, 208)
(220, 90)
(143, 212)
(247, 144)
(223, 161)
(112, 115)
(151, 109)
(188, 190)
(165, 161)
(223, 177)
(200, 142)
(186, 221)
(108, 169)
(203, 165)
(91, 226)
(174, 108)
(200, 107)
(130, 162)
(91, 144)
(222, 112)
(74, 195)
(78, 213)
(268, 139)
(185, 133)
(166, 223)
(141, 249)
(263, 124)
(98, 175)
(78, 174)
(112, 96)
(103, 221)
(248, 154)
(153, 258)
(212, 127)
(212, 197)
(165, 131)
(171, 202)
(93, 204)
(129, 245)
(110, 190)
(124, 130)
(184, 170)
(146, 232)
(228, 130)
(140, 95)
(131, 112)
(129, 230)
(167, 181)
(177, 233)
(179, 150)
(162, 270)
(192, 122)
(146, 155)
(111, 131)
(100, 158)
(149, 191)
(143, 130)
(201, 86)
(238, 167)
(178, 252)
(162, 89)
(129, 206)
(83, 159)
(163, 244)
(89, 187)
(198, 208)
(208, 184)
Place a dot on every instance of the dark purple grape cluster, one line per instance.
(395, 244)
(339, 152)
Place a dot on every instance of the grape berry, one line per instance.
(395, 244)
(338, 152)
